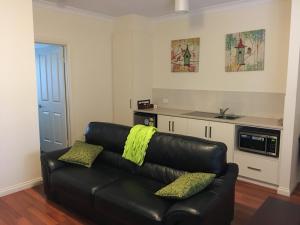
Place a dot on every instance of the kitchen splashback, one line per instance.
(269, 105)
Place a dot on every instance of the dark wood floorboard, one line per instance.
(30, 207)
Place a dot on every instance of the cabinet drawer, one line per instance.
(257, 167)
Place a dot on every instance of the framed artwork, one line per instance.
(185, 55)
(245, 51)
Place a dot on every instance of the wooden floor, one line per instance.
(30, 207)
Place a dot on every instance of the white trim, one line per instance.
(214, 8)
(70, 9)
(263, 184)
(68, 93)
(284, 191)
(20, 186)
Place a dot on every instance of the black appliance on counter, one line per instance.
(147, 119)
(259, 141)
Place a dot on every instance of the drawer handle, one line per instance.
(255, 169)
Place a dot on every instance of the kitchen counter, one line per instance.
(243, 120)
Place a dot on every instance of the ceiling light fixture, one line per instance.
(182, 6)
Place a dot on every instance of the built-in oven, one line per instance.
(260, 141)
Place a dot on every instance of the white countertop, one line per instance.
(243, 120)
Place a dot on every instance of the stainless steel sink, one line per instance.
(211, 115)
(200, 114)
(227, 117)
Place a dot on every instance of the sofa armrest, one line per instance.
(215, 205)
(50, 163)
(50, 159)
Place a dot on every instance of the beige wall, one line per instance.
(19, 137)
(212, 27)
(88, 41)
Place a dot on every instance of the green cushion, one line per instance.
(82, 154)
(186, 185)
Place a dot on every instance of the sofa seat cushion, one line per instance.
(81, 183)
(132, 199)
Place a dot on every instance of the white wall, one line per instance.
(211, 27)
(19, 137)
(88, 41)
(291, 126)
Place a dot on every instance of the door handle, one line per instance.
(40, 106)
(169, 125)
(209, 132)
(205, 131)
(173, 126)
(130, 105)
(253, 168)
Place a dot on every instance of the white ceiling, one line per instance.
(149, 8)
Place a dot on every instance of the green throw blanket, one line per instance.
(137, 143)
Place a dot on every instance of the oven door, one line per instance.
(252, 142)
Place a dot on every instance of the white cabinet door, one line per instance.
(122, 79)
(142, 66)
(223, 132)
(198, 128)
(170, 124)
(215, 131)
(164, 124)
(179, 125)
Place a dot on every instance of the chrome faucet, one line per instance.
(223, 111)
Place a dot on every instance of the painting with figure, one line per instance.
(245, 51)
(185, 55)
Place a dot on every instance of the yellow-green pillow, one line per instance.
(82, 154)
(186, 185)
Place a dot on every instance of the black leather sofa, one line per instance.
(115, 191)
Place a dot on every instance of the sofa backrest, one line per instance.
(178, 152)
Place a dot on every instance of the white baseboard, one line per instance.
(20, 187)
(284, 191)
(263, 184)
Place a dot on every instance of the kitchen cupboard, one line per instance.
(215, 131)
(253, 167)
(131, 73)
(171, 124)
(257, 167)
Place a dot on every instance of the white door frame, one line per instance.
(67, 86)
